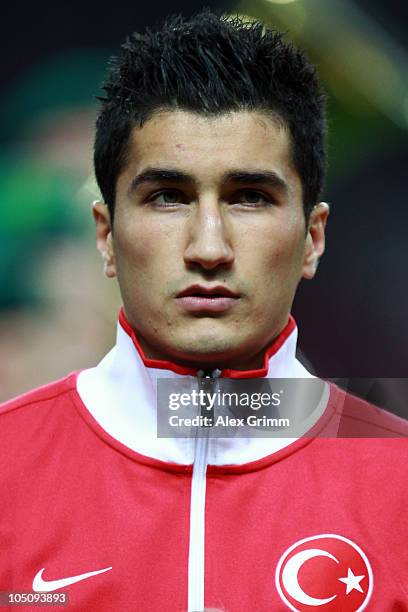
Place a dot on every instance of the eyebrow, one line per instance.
(169, 175)
(154, 175)
(265, 177)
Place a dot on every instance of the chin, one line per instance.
(205, 348)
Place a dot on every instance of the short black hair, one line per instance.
(211, 64)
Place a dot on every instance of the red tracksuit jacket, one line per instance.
(319, 524)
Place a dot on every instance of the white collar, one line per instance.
(120, 393)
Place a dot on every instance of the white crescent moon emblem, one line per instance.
(290, 576)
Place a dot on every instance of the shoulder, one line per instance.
(37, 424)
(358, 418)
(38, 400)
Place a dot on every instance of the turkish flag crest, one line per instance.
(325, 572)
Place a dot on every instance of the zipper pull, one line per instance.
(206, 382)
(206, 374)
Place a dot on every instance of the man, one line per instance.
(209, 154)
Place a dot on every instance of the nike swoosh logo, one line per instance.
(40, 585)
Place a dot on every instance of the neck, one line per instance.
(121, 395)
(247, 367)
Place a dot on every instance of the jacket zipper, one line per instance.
(196, 558)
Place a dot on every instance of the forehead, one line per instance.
(207, 147)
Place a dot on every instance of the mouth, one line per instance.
(199, 298)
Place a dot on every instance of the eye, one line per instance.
(252, 198)
(166, 198)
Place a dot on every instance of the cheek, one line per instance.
(280, 253)
(145, 261)
(131, 257)
(275, 270)
(138, 246)
(132, 268)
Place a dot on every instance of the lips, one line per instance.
(203, 291)
(205, 299)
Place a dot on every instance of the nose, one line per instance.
(209, 241)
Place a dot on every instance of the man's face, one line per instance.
(214, 202)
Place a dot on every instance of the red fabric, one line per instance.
(72, 503)
(74, 500)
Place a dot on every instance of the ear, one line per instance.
(315, 239)
(104, 242)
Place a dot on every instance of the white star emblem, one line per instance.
(352, 582)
